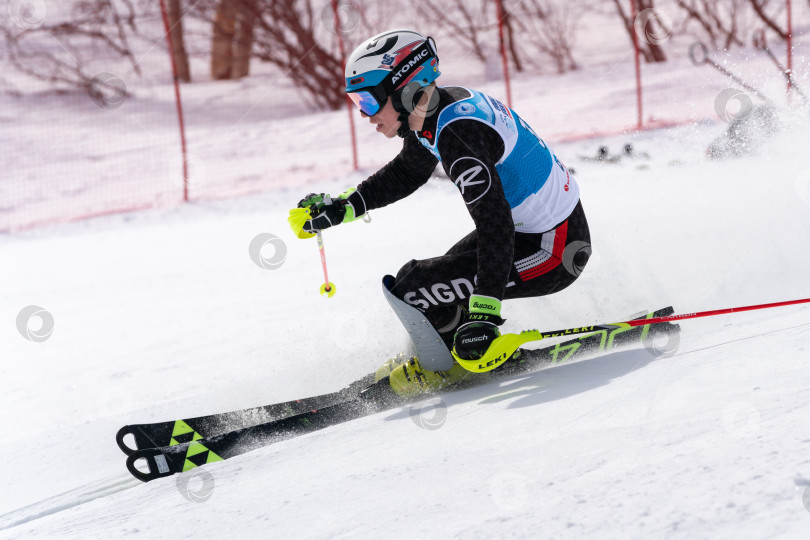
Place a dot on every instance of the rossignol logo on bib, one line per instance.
(407, 67)
(471, 177)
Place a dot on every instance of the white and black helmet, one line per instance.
(387, 65)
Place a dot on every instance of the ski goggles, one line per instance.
(367, 102)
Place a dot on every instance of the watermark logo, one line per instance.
(192, 171)
(430, 414)
(412, 100)
(35, 323)
(741, 420)
(267, 251)
(653, 26)
(509, 492)
(802, 186)
(732, 104)
(27, 14)
(108, 91)
(347, 20)
(806, 498)
(575, 256)
(661, 342)
(196, 485)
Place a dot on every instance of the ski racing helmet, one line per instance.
(396, 64)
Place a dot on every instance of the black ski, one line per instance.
(191, 429)
(168, 460)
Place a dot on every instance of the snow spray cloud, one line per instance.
(348, 18)
(741, 419)
(108, 91)
(732, 104)
(653, 26)
(27, 14)
(27, 325)
(430, 414)
(196, 485)
(802, 186)
(258, 251)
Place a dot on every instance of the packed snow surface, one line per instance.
(164, 315)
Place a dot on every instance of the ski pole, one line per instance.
(700, 56)
(328, 287)
(504, 346)
(761, 44)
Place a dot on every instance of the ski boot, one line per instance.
(390, 365)
(410, 379)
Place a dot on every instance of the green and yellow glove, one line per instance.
(474, 337)
(319, 211)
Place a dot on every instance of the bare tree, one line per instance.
(760, 7)
(242, 46)
(466, 19)
(175, 18)
(650, 48)
(232, 38)
(550, 27)
(92, 26)
(223, 33)
(721, 20)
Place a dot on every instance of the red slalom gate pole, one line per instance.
(504, 59)
(636, 54)
(179, 103)
(349, 105)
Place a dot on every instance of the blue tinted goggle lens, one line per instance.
(365, 102)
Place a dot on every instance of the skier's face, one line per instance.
(386, 120)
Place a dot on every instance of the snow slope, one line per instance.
(163, 314)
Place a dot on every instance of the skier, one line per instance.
(531, 237)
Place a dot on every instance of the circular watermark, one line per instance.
(802, 186)
(113, 401)
(662, 341)
(267, 251)
(192, 170)
(806, 498)
(653, 26)
(741, 419)
(35, 323)
(509, 492)
(108, 91)
(412, 100)
(575, 256)
(27, 14)
(348, 334)
(732, 104)
(196, 485)
(430, 414)
(341, 21)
